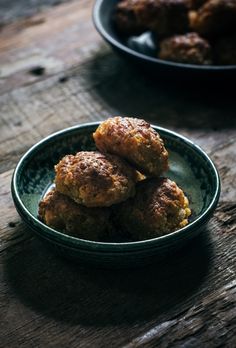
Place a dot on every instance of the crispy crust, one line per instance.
(164, 17)
(158, 208)
(126, 17)
(215, 17)
(94, 179)
(189, 48)
(60, 212)
(134, 140)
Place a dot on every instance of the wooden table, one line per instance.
(55, 71)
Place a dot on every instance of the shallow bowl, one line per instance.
(190, 167)
(141, 51)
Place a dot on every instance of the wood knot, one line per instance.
(63, 79)
(37, 71)
(12, 224)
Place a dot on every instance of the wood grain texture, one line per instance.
(57, 72)
(11, 10)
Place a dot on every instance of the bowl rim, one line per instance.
(110, 39)
(29, 218)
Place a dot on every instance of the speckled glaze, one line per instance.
(190, 167)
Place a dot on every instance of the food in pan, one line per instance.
(215, 17)
(60, 212)
(185, 31)
(164, 17)
(127, 19)
(134, 140)
(94, 195)
(188, 48)
(95, 179)
(158, 208)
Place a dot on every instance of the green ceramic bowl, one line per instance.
(190, 167)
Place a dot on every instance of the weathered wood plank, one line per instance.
(133, 309)
(50, 42)
(183, 298)
(12, 10)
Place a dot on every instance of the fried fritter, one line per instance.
(62, 213)
(225, 50)
(94, 179)
(126, 17)
(134, 140)
(158, 208)
(164, 17)
(189, 48)
(215, 17)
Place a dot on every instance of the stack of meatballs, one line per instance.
(118, 193)
(186, 31)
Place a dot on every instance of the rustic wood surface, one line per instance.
(55, 71)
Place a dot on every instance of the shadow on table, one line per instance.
(177, 103)
(74, 294)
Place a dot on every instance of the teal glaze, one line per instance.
(190, 167)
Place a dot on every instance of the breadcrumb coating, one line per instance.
(127, 19)
(134, 140)
(62, 213)
(164, 17)
(158, 208)
(94, 179)
(189, 48)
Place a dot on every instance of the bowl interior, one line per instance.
(189, 167)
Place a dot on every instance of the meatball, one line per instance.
(189, 48)
(62, 213)
(126, 17)
(134, 140)
(158, 208)
(164, 17)
(94, 179)
(215, 17)
(225, 51)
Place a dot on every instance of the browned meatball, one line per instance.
(158, 208)
(134, 140)
(189, 48)
(164, 17)
(215, 17)
(94, 179)
(62, 213)
(225, 51)
(126, 17)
